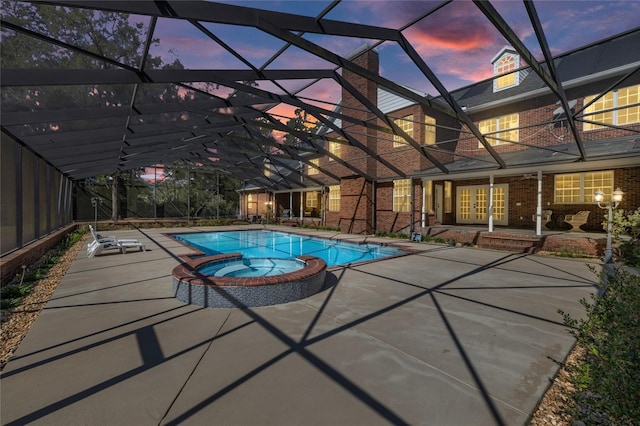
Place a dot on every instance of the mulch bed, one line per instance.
(556, 403)
(17, 321)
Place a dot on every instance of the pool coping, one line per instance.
(198, 254)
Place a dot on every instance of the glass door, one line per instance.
(473, 204)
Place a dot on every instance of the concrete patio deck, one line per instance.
(443, 336)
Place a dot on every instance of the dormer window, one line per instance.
(505, 65)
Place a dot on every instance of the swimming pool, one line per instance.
(274, 244)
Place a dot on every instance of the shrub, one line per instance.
(607, 381)
(13, 294)
(626, 232)
(571, 252)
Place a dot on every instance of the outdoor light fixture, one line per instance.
(95, 202)
(616, 198)
(268, 209)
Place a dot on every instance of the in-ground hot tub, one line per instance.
(252, 267)
(231, 281)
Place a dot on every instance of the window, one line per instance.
(500, 130)
(579, 187)
(401, 195)
(506, 65)
(312, 200)
(406, 124)
(447, 196)
(428, 195)
(334, 198)
(267, 169)
(312, 170)
(618, 107)
(429, 130)
(334, 148)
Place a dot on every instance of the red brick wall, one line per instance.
(532, 132)
(352, 107)
(356, 216)
(11, 264)
(398, 222)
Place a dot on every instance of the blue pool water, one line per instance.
(272, 244)
(251, 267)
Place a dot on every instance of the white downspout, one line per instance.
(539, 205)
(490, 203)
(423, 216)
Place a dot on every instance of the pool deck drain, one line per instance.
(445, 336)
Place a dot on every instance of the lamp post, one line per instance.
(95, 202)
(268, 210)
(616, 197)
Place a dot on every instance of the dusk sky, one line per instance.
(457, 41)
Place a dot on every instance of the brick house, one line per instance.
(403, 166)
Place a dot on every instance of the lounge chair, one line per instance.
(100, 244)
(102, 239)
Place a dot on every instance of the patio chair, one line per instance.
(546, 218)
(577, 220)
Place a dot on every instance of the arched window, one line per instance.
(505, 68)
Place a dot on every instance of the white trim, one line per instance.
(560, 167)
(489, 192)
(545, 90)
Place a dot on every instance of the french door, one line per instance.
(472, 204)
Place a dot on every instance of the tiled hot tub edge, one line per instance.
(228, 292)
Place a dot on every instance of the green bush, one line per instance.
(627, 225)
(608, 379)
(13, 294)
(630, 252)
(397, 235)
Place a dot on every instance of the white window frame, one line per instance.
(502, 75)
(402, 195)
(335, 148)
(586, 195)
(311, 202)
(313, 170)
(334, 198)
(501, 129)
(429, 132)
(591, 113)
(406, 124)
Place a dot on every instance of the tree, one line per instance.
(118, 38)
